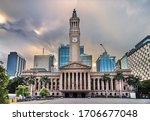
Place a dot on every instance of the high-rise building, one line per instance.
(44, 62)
(64, 54)
(86, 59)
(123, 62)
(139, 59)
(105, 63)
(15, 64)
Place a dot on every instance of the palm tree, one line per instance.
(106, 78)
(119, 77)
(44, 79)
(133, 81)
(31, 81)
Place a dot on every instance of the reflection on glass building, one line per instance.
(63, 54)
(123, 62)
(15, 64)
(105, 63)
(86, 59)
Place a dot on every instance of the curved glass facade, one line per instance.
(105, 63)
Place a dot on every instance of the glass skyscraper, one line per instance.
(15, 64)
(64, 53)
(86, 59)
(105, 63)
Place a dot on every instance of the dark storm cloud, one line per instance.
(15, 28)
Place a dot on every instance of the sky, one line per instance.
(28, 26)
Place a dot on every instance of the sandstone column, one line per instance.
(77, 80)
(80, 80)
(89, 81)
(60, 82)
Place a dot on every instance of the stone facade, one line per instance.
(77, 80)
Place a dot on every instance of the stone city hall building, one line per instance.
(76, 79)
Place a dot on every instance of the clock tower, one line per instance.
(74, 37)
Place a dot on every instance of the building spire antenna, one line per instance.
(103, 47)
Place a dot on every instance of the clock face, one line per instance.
(74, 39)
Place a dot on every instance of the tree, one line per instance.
(144, 87)
(31, 82)
(14, 83)
(44, 92)
(133, 81)
(4, 80)
(119, 77)
(44, 79)
(106, 78)
(22, 90)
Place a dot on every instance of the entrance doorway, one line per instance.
(75, 95)
(83, 95)
(66, 95)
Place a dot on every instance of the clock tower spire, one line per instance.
(74, 37)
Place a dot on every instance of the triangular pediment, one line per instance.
(75, 65)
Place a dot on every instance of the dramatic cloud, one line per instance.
(28, 26)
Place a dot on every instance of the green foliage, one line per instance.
(106, 77)
(144, 86)
(14, 83)
(44, 92)
(22, 90)
(4, 80)
(31, 80)
(44, 79)
(119, 76)
(133, 80)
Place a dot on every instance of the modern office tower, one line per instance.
(86, 59)
(44, 62)
(15, 64)
(123, 62)
(105, 63)
(139, 59)
(64, 54)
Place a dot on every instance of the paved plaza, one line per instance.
(88, 101)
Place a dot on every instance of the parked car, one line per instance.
(36, 97)
(28, 98)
